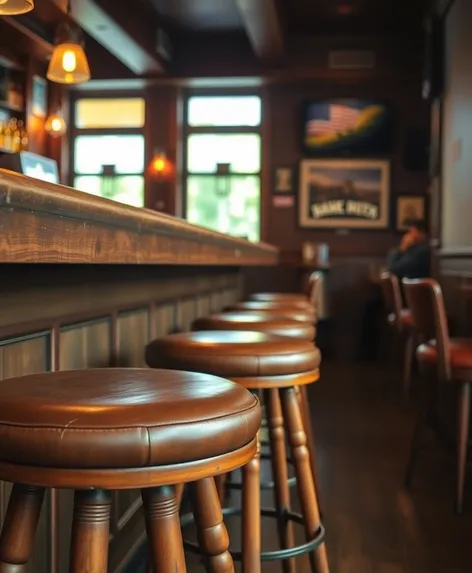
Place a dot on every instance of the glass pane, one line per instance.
(226, 204)
(116, 112)
(127, 189)
(125, 152)
(241, 151)
(235, 110)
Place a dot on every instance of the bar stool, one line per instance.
(449, 360)
(300, 311)
(399, 326)
(279, 297)
(97, 431)
(259, 361)
(278, 325)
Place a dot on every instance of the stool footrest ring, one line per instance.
(280, 554)
(264, 485)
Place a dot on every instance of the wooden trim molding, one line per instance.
(45, 223)
(455, 253)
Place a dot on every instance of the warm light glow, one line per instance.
(55, 125)
(69, 61)
(13, 7)
(68, 65)
(160, 167)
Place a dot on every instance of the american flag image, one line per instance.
(332, 118)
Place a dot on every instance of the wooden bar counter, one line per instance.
(86, 282)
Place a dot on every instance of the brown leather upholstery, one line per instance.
(233, 354)
(275, 305)
(460, 356)
(123, 418)
(262, 322)
(294, 312)
(279, 297)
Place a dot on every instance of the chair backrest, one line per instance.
(426, 303)
(392, 296)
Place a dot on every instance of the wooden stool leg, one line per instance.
(462, 438)
(163, 529)
(19, 527)
(211, 530)
(305, 483)
(310, 436)
(220, 482)
(280, 473)
(90, 531)
(251, 510)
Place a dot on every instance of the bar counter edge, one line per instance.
(46, 223)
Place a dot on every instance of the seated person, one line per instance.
(412, 259)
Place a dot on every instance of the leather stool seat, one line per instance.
(235, 354)
(262, 322)
(276, 304)
(305, 314)
(405, 318)
(139, 418)
(279, 297)
(460, 356)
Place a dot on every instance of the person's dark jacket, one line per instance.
(414, 263)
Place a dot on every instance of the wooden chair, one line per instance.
(99, 431)
(275, 365)
(401, 336)
(449, 358)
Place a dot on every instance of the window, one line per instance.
(109, 149)
(223, 164)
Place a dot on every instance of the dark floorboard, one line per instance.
(372, 524)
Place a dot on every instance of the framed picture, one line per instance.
(347, 127)
(344, 194)
(39, 97)
(283, 180)
(410, 207)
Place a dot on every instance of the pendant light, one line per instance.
(68, 63)
(55, 125)
(14, 7)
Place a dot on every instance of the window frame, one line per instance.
(226, 130)
(78, 131)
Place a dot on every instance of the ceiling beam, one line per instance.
(129, 35)
(262, 23)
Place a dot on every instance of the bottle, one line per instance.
(16, 137)
(24, 136)
(7, 137)
(2, 135)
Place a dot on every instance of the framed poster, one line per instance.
(344, 194)
(410, 207)
(39, 97)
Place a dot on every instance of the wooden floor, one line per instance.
(372, 524)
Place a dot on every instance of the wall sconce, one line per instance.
(69, 64)
(161, 168)
(15, 7)
(55, 125)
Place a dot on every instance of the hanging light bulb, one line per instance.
(69, 64)
(13, 7)
(55, 125)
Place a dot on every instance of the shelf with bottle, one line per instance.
(12, 96)
(13, 136)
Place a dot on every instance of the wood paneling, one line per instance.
(132, 337)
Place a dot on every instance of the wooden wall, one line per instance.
(63, 318)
